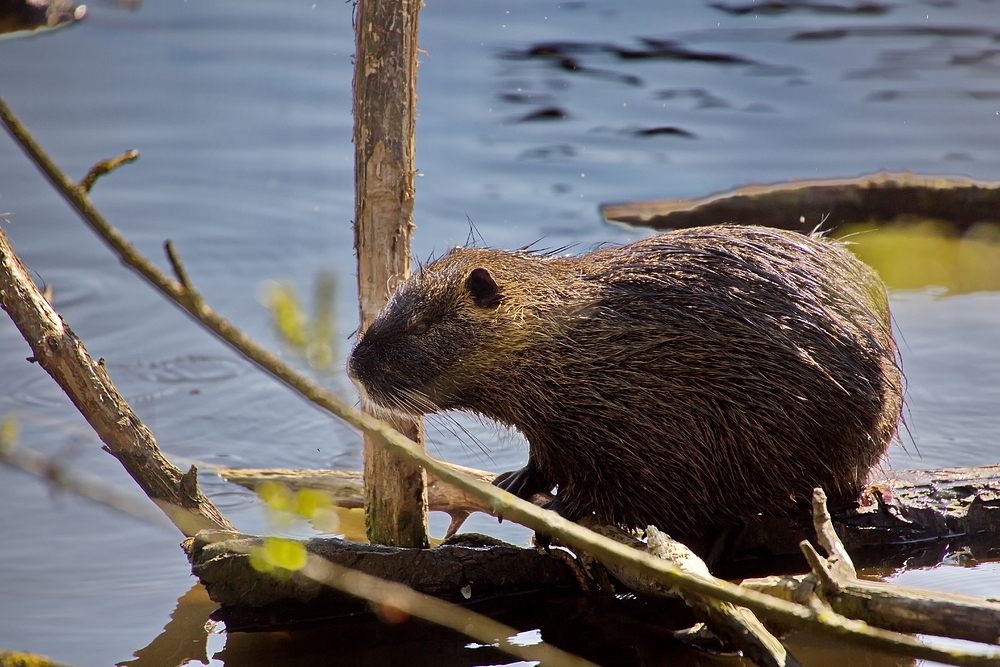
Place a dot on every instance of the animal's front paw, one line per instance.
(523, 483)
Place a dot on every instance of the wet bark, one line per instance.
(57, 349)
(385, 100)
(825, 204)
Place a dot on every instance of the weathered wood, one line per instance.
(467, 568)
(385, 101)
(915, 610)
(834, 582)
(346, 488)
(915, 516)
(735, 626)
(57, 349)
(804, 205)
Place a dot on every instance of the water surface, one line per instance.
(529, 117)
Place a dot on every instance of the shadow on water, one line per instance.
(613, 632)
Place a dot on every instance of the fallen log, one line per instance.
(828, 203)
(832, 582)
(917, 517)
(467, 569)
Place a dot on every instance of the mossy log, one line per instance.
(826, 204)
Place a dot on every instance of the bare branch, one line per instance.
(105, 166)
(57, 349)
(79, 481)
(175, 263)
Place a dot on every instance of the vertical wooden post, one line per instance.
(385, 105)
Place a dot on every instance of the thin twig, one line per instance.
(820, 568)
(177, 265)
(500, 502)
(104, 166)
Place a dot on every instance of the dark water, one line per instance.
(531, 114)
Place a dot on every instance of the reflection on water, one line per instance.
(185, 637)
(926, 254)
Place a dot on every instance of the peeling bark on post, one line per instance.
(385, 102)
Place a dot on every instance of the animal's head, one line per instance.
(444, 333)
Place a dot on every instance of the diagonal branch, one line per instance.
(499, 502)
(57, 349)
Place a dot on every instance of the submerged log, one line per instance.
(912, 517)
(467, 569)
(826, 204)
(832, 582)
(915, 516)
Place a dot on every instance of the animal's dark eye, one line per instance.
(420, 327)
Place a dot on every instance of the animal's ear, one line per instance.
(485, 291)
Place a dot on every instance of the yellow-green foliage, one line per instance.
(920, 254)
(278, 556)
(310, 337)
(285, 506)
(9, 432)
(17, 659)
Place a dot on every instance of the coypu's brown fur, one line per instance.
(690, 380)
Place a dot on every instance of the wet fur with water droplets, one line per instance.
(691, 380)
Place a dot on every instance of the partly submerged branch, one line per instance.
(57, 349)
(834, 582)
(826, 203)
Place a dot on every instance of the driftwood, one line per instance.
(466, 569)
(825, 204)
(732, 625)
(832, 588)
(914, 516)
(346, 488)
(835, 583)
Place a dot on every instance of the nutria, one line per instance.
(692, 380)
